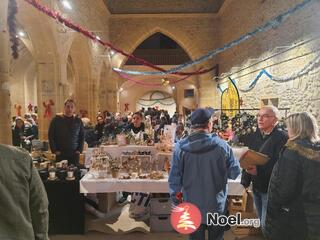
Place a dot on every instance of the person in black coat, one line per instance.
(269, 140)
(99, 127)
(293, 211)
(22, 134)
(66, 134)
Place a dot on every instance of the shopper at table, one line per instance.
(66, 134)
(269, 140)
(201, 165)
(99, 127)
(293, 210)
(136, 128)
(23, 201)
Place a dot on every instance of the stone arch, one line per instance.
(151, 32)
(80, 56)
(165, 104)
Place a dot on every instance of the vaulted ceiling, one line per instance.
(163, 6)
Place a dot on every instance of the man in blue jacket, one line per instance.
(201, 166)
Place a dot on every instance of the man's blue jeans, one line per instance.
(260, 202)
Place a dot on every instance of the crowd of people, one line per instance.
(24, 130)
(286, 190)
(108, 125)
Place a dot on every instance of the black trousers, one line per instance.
(72, 157)
(214, 233)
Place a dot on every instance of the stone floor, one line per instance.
(144, 236)
(119, 221)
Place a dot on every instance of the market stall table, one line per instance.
(89, 184)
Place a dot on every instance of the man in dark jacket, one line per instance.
(23, 202)
(269, 140)
(293, 211)
(66, 134)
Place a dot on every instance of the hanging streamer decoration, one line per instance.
(146, 84)
(48, 108)
(270, 24)
(57, 16)
(155, 102)
(305, 70)
(12, 25)
(275, 22)
(126, 107)
(18, 109)
(30, 107)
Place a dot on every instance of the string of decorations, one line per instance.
(155, 102)
(275, 22)
(164, 81)
(305, 70)
(155, 99)
(12, 26)
(57, 16)
(270, 24)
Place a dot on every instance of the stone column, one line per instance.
(5, 119)
(46, 94)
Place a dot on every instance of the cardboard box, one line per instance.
(160, 206)
(160, 223)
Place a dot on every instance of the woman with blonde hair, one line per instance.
(293, 210)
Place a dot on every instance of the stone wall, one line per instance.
(282, 51)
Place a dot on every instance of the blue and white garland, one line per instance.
(305, 70)
(275, 22)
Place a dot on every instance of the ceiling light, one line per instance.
(173, 87)
(21, 34)
(66, 4)
(97, 37)
(121, 89)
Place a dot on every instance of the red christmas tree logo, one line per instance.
(185, 218)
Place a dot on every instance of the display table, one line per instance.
(88, 184)
(116, 151)
(66, 207)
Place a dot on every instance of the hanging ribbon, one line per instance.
(30, 107)
(18, 108)
(48, 108)
(126, 107)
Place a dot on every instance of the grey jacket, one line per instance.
(23, 201)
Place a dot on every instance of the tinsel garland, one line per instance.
(57, 16)
(305, 70)
(275, 22)
(146, 84)
(12, 26)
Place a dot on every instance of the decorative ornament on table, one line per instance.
(18, 109)
(30, 107)
(48, 108)
(114, 166)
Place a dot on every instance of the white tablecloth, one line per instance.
(89, 184)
